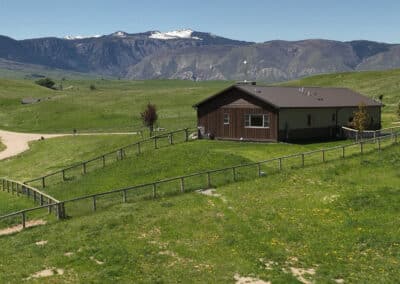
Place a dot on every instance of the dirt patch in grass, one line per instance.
(41, 243)
(46, 273)
(19, 228)
(249, 280)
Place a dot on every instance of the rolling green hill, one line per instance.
(114, 105)
(330, 223)
(326, 222)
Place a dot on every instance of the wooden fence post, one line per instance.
(155, 142)
(43, 182)
(138, 148)
(343, 152)
(302, 160)
(23, 219)
(171, 137)
(361, 147)
(63, 175)
(41, 199)
(154, 190)
(182, 185)
(186, 135)
(234, 173)
(208, 180)
(49, 202)
(104, 160)
(34, 196)
(280, 163)
(323, 156)
(124, 196)
(94, 203)
(84, 168)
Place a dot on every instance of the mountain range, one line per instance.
(193, 55)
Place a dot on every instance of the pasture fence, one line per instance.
(43, 200)
(351, 133)
(210, 178)
(102, 160)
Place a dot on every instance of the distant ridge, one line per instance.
(194, 55)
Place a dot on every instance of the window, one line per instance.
(226, 118)
(309, 120)
(256, 121)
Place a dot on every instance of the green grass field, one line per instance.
(340, 220)
(114, 106)
(335, 220)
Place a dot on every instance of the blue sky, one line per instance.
(250, 20)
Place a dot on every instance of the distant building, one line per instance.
(246, 111)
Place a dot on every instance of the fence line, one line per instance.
(119, 154)
(356, 134)
(152, 187)
(233, 170)
(44, 200)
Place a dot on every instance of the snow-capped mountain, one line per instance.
(178, 34)
(71, 37)
(188, 54)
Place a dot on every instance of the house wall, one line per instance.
(237, 105)
(293, 123)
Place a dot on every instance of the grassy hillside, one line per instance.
(328, 222)
(52, 154)
(11, 203)
(114, 105)
(371, 83)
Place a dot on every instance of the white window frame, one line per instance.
(265, 120)
(227, 118)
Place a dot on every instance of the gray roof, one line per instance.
(305, 97)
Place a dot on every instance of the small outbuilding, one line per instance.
(246, 111)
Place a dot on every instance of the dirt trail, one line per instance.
(18, 142)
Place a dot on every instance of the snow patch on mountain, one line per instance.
(119, 34)
(179, 34)
(71, 37)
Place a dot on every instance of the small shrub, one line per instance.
(149, 116)
(92, 87)
(46, 82)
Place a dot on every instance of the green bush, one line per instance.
(46, 82)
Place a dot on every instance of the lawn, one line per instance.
(11, 203)
(171, 161)
(333, 222)
(52, 154)
(115, 105)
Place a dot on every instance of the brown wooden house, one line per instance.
(246, 111)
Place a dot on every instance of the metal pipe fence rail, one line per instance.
(367, 134)
(116, 155)
(152, 190)
(232, 173)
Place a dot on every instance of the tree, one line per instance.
(149, 116)
(46, 82)
(360, 118)
(92, 87)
